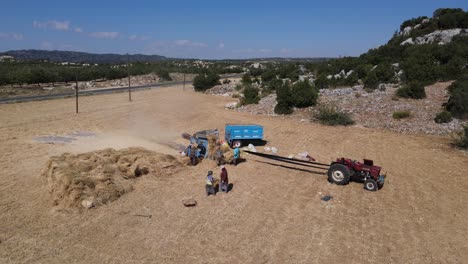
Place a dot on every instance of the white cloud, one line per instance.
(106, 35)
(265, 50)
(138, 37)
(46, 45)
(221, 45)
(188, 43)
(285, 50)
(181, 43)
(14, 36)
(53, 24)
(182, 48)
(17, 36)
(78, 30)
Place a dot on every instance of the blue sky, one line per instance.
(209, 29)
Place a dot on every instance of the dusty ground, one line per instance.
(272, 215)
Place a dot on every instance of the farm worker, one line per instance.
(210, 184)
(224, 182)
(236, 155)
(192, 154)
(219, 156)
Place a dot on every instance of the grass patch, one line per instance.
(401, 114)
(330, 115)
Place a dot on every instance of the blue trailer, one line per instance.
(237, 135)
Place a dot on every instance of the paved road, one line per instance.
(20, 99)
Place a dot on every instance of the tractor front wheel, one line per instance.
(339, 174)
(371, 185)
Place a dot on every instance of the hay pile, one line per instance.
(95, 178)
(213, 145)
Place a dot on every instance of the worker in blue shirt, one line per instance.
(236, 155)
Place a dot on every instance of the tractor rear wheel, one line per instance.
(371, 185)
(339, 174)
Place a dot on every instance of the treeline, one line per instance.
(42, 72)
(46, 72)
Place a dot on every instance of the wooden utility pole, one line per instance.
(184, 82)
(128, 73)
(76, 92)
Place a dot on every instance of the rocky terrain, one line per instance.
(368, 109)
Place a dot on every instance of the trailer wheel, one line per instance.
(237, 144)
(371, 185)
(339, 174)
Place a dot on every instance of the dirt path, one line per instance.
(272, 215)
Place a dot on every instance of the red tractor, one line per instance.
(340, 171)
(343, 170)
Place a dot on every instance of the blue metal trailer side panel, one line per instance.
(243, 132)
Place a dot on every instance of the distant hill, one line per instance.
(78, 57)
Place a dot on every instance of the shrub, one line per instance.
(284, 99)
(457, 103)
(164, 74)
(304, 94)
(274, 84)
(401, 114)
(205, 81)
(385, 73)
(413, 90)
(322, 82)
(268, 76)
(443, 117)
(331, 116)
(226, 81)
(462, 142)
(246, 79)
(371, 81)
(250, 95)
(283, 109)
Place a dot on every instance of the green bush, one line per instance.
(246, 79)
(268, 76)
(322, 82)
(371, 81)
(401, 114)
(462, 141)
(284, 99)
(250, 95)
(458, 101)
(205, 81)
(413, 90)
(283, 109)
(385, 73)
(274, 84)
(331, 116)
(304, 94)
(443, 117)
(164, 74)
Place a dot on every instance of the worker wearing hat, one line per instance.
(210, 184)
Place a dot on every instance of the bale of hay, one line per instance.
(229, 157)
(91, 179)
(225, 147)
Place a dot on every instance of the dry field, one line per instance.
(272, 214)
